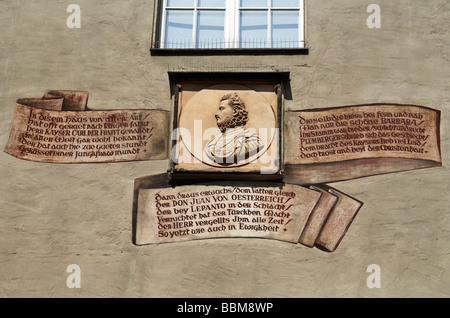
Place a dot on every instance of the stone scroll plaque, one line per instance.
(57, 128)
(341, 143)
(237, 133)
(318, 216)
(223, 209)
(339, 220)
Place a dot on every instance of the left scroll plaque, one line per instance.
(58, 128)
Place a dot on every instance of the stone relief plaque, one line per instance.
(240, 166)
(339, 220)
(45, 130)
(227, 129)
(233, 209)
(318, 216)
(325, 145)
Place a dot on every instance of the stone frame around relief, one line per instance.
(196, 98)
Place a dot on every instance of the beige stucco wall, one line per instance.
(53, 215)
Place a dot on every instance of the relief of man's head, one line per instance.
(231, 113)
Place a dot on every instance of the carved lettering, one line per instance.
(195, 212)
(349, 142)
(364, 131)
(89, 136)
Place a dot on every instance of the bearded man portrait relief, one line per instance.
(235, 143)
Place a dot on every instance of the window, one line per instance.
(231, 24)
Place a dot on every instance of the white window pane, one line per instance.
(179, 29)
(253, 29)
(180, 3)
(285, 29)
(285, 3)
(211, 3)
(210, 29)
(254, 3)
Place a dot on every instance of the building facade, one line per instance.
(128, 55)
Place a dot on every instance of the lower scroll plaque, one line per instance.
(223, 209)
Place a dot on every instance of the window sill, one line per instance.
(258, 51)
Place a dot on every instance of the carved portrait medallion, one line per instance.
(224, 128)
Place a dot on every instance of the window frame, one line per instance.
(269, 10)
(195, 9)
(282, 89)
(231, 31)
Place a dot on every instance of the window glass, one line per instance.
(285, 28)
(253, 31)
(180, 3)
(179, 28)
(253, 3)
(284, 3)
(210, 29)
(211, 3)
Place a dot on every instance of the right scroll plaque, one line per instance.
(342, 143)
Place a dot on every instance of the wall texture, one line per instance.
(53, 215)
